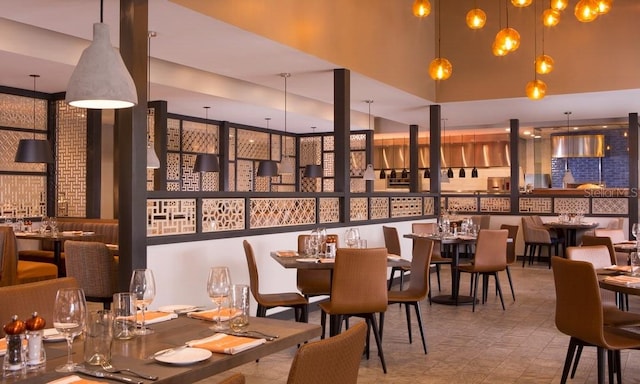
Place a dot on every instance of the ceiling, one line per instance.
(245, 87)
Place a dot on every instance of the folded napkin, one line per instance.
(221, 343)
(3, 346)
(287, 253)
(620, 268)
(393, 257)
(629, 281)
(75, 380)
(153, 317)
(327, 260)
(627, 242)
(212, 314)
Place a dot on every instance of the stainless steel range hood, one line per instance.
(577, 146)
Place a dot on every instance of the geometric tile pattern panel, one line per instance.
(252, 145)
(199, 137)
(329, 210)
(9, 145)
(571, 205)
(535, 204)
(379, 208)
(276, 141)
(190, 180)
(309, 184)
(171, 217)
(328, 143)
(173, 166)
(222, 215)
(173, 134)
(462, 204)
(71, 161)
(610, 205)
(17, 112)
(429, 205)
(282, 212)
(283, 188)
(244, 177)
(289, 148)
(310, 150)
(173, 186)
(357, 163)
(358, 185)
(210, 181)
(495, 204)
(359, 207)
(406, 206)
(232, 177)
(328, 164)
(358, 141)
(23, 195)
(327, 185)
(232, 144)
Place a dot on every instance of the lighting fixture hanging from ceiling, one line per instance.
(476, 18)
(507, 39)
(287, 165)
(101, 79)
(393, 173)
(474, 171)
(153, 162)
(34, 150)
(368, 173)
(568, 176)
(440, 68)
(462, 173)
(421, 8)
(587, 10)
(404, 173)
(445, 176)
(313, 170)
(383, 153)
(521, 3)
(536, 89)
(267, 168)
(559, 5)
(550, 17)
(544, 62)
(206, 162)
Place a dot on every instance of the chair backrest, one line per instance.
(420, 260)
(236, 378)
(536, 220)
(483, 220)
(427, 228)
(8, 258)
(359, 282)
(616, 235)
(616, 223)
(24, 299)
(332, 360)
(578, 304)
(391, 240)
(303, 238)
(511, 246)
(491, 250)
(606, 241)
(597, 255)
(534, 232)
(254, 282)
(93, 266)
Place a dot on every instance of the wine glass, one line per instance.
(322, 239)
(218, 286)
(351, 237)
(635, 229)
(143, 287)
(69, 317)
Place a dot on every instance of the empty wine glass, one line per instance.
(322, 239)
(143, 287)
(352, 236)
(69, 317)
(635, 229)
(311, 246)
(218, 287)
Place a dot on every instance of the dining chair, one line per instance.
(588, 241)
(490, 258)
(271, 300)
(95, 269)
(537, 236)
(484, 221)
(332, 360)
(392, 243)
(312, 282)
(15, 271)
(359, 289)
(615, 236)
(511, 252)
(578, 298)
(236, 378)
(418, 287)
(436, 256)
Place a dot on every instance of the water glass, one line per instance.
(362, 243)
(634, 258)
(98, 337)
(124, 320)
(240, 306)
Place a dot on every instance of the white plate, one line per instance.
(178, 308)
(50, 335)
(307, 260)
(185, 356)
(393, 258)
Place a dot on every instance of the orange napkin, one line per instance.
(212, 314)
(327, 260)
(3, 346)
(153, 317)
(629, 281)
(287, 253)
(75, 380)
(221, 343)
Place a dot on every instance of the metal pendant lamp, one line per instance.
(427, 173)
(404, 174)
(568, 175)
(287, 164)
(34, 150)
(206, 162)
(383, 173)
(101, 79)
(462, 173)
(474, 171)
(153, 162)
(450, 170)
(369, 173)
(267, 168)
(313, 170)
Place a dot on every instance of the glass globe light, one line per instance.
(497, 50)
(559, 5)
(550, 17)
(421, 8)
(476, 18)
(586, 10)
(440, 69)
(536, 89)
(521, 3)
(604, 6)
(544, 64)
(508, 39)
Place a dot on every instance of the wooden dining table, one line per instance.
(570, 230)
(134, 353)
(292, 262)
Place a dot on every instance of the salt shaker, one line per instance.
(36, 357)
(14, 361)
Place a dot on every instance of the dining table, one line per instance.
(570, 230)
(137, 353)
(302, 262)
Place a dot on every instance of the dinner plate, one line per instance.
(178, 308)
(307, 260)
(184, 356)
(52, 335)
(393, 257)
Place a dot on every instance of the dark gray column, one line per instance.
(341, 132)
(515, 164)
(434, 152)
(633, 170)
(414, 175)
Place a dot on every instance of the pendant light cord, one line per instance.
(34, 104)
(101, 11)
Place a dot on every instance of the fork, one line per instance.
(111, 369)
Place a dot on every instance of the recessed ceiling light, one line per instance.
(526, 132)
(537, 136)
(508, 129)
(575, 128)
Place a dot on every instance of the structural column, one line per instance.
(341, 135)
(434, 154)
(514, 193)
(633, 170)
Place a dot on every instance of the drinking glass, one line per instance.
(69, 317)
(143, 287)
(240, 305)
(322, 239)
(218, 286)
(311, 246)
(635, 229)
(352, 236)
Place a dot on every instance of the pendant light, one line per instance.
(507, 39)
(474, 171)
(421, 8)
(440, 68)
(536, 89)
(476, 18)
(462, 173)
(544, 62)
(404, 173)
(383, 173)
(427, 173)
(206, 162)
(101, 79)
(393, 173)
(586, 10)
(287, 165)
(153, 162)
(568, 176)
(313, 170)
(368, 173)
(450, 170)
(34, 150)
(267, 168)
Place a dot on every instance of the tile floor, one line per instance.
(518, 345)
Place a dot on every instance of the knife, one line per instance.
(252, 335)
(107, 375)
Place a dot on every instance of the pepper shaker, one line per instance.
(36, 357)
(14, 361)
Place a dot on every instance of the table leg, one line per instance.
(455, 298)
(57, 257)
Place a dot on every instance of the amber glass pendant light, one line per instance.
(421, 8)
(586, 10)
(476, 18)
(440, 68)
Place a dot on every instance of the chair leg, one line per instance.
(381, 324)
(475, 291)
(495, 276)
(323, 323)
(511, 283)
(408, 313)
(601, 356)
(371, 318)
(618, 366)
(524, 254)
(576, 360)
(573, 343)
(611, 362)
(393, 273)
(402, 280)
(416, 305)
(438, 275)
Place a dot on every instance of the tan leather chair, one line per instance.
(14, 271)
(418, 287)
(577, 299)
(24, 299)
(358, 289)
(616, 235)
(537, 236)
(312, 282)
(95, 269)
(392, 243)
(490, 258)
(333, 360)
(236, 378)
(511, 252)
(436, 255)
(484, 221)
(271, 300)
(589, 241)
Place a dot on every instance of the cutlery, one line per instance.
(106, 375)
(108, 367)
(167, 351)
(253, 335)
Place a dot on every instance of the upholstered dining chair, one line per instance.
(589, 241)
(14, 271)
(392, 243)
(484, 221)
(616, 236)
(95, 269)
(271, 300)
(578, 298)
(418, 287)
(332, 360)
(490, 258)
(436, 256)
(312, 282)
(236, 378)
(537, 236)
(511, 252)
(358, 288)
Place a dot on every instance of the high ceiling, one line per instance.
(198, 60)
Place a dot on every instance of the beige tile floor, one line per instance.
(518, 345)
